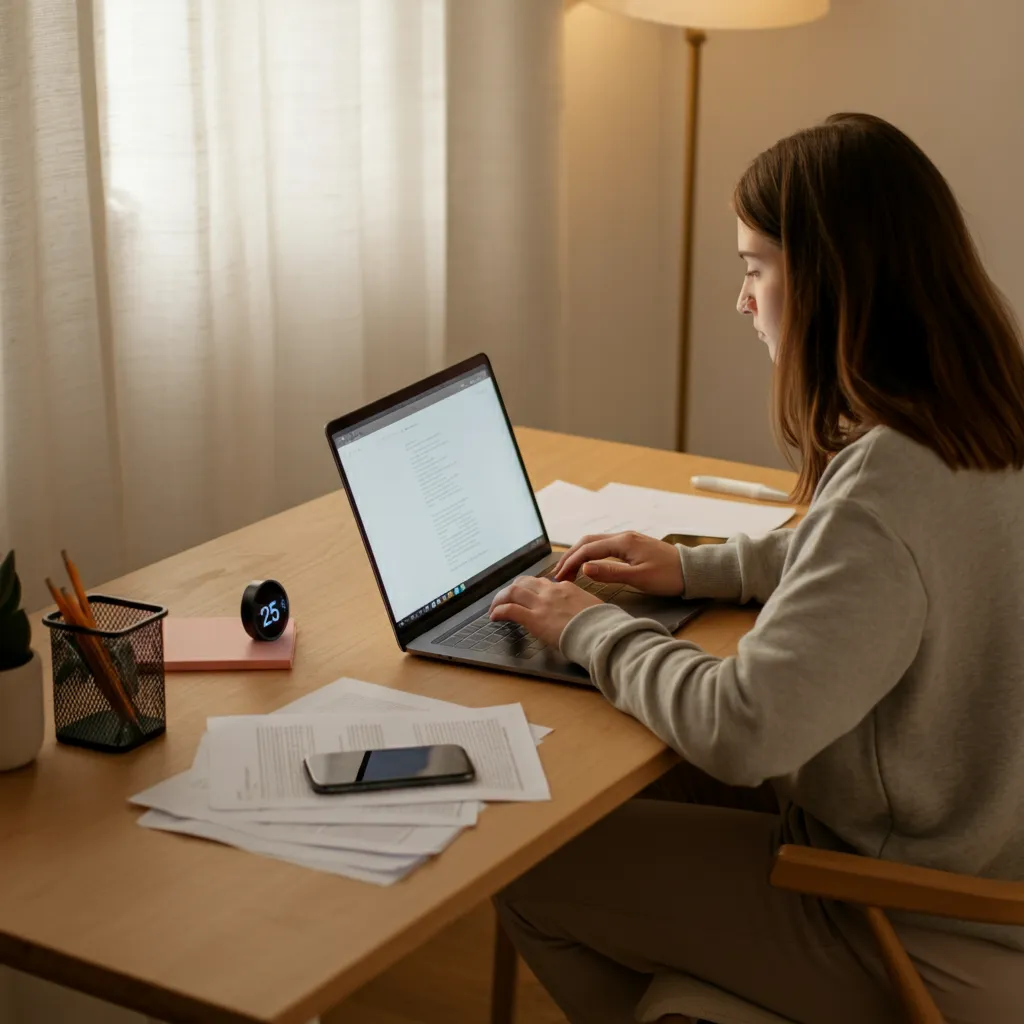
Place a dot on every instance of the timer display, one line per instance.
(264, 609)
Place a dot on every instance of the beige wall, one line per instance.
(948, 73)
(621, 158)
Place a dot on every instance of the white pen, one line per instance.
(740, 487)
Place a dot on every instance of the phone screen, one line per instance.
(353, 770)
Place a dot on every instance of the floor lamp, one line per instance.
(696, 16)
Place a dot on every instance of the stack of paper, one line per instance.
(571, 512)
(247, 788)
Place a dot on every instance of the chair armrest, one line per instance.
(882, 883)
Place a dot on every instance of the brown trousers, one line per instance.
(680, 882)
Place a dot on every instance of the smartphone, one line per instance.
(356, 771)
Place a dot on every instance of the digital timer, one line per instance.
(264, 609)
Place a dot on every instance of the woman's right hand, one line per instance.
(650, 565)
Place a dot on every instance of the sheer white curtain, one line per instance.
(223, 222)
(260, 247)
(275, 183)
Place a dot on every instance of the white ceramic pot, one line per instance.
(21, 713)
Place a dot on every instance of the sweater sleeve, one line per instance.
(838, 633)
(743, 569)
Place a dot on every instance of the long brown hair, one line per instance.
(889, 316)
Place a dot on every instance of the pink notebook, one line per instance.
(215, 645)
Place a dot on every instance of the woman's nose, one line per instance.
(745, 303)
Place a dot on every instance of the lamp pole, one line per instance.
(694, 40)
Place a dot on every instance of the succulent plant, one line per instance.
(15, 631)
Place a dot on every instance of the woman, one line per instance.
(882, 689)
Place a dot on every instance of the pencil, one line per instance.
(76, 582)
(82, 642)
(108, 672)
(86, 645)
(62, 604)
(95, 655)
(90, 620)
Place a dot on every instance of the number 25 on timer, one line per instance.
(271, 613)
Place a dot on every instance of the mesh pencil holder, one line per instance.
(128, 646)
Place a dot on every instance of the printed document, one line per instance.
(256, 761)
(572, 512)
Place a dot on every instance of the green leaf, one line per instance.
(8, 577)
(12, 603)
(16, 642)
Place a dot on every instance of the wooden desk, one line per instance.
(183, 929)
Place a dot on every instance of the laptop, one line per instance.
(446, 512)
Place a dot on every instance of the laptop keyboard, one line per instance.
(481, 634)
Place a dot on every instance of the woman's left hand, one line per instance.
(541, 606)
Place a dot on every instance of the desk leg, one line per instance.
(503, 978)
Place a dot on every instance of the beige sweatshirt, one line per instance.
(882, 688)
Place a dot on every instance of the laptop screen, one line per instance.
(440, 491)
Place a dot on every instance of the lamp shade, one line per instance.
(720, 13)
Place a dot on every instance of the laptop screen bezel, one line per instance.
(503, 570)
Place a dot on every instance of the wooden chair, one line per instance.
(873, 885)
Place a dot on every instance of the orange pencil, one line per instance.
(95, 656)
(84, 642)
(90, 620)
(76, 582)
(61, 602)
(99, 650)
